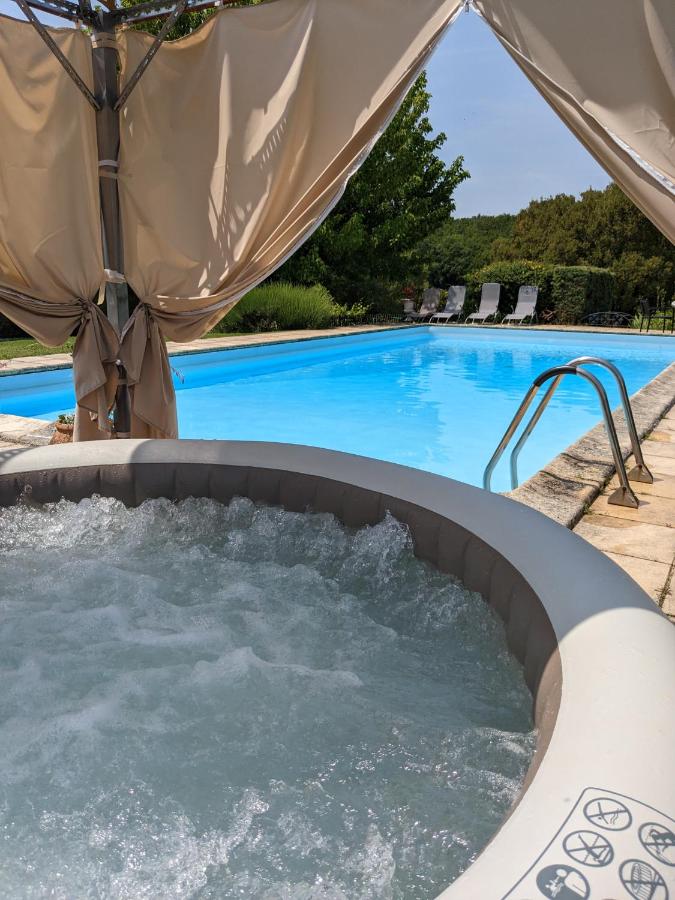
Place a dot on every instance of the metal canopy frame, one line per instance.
(82, 11)
(106, 99)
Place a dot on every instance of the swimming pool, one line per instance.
(437, 399)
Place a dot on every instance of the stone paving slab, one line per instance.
(660, 445)
(650, 575)
(639, 539)
(662, 465)
(653, 509)
(662, 486)
(22, 430)
(31, 363)
(642, 541)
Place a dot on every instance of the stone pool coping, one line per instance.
(597, 654)
(24, 365)
(565, 488)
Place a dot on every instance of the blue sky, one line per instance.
(513, 144)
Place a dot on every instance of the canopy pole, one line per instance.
(106, 91)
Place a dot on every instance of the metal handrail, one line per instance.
(623, 496)
(639, 472)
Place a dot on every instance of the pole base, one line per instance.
(623, 497)
(641, 473)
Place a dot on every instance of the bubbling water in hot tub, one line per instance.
(202, 700)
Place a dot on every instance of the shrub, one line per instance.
(568, 292)
(281, 306)
(580, 290)
(351, 315)
(511, 276)
(638, 276)
(382, 298)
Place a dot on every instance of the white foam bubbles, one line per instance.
(216, 701)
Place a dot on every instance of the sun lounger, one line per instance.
(526, 305)
(489, 303)
(430, 300)
(453, 305)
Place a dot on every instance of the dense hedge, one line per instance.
(566, 293)
(580, 290)
(279, 306)
(511, 276)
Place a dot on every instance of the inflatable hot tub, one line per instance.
(595, 817)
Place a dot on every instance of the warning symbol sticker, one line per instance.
(658, 841)
(609, 845)
(608, 813)
(563, 883)
(589, 848)
(642, 881)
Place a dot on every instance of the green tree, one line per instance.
(603, 229)
(542, 232)
(594, 230)
(463, 245)
(403, 192)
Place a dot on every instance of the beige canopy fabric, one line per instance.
(94, 354)
(236, 143)
(50, 234)
(239, 139)
(607, 67)
(50, 231)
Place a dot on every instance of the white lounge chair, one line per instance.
(526, 305)
(430, 300)
(453, 305)
(489, 303)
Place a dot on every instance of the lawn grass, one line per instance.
(11, 348)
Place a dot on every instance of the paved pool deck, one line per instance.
(641, 541)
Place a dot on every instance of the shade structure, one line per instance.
(239, 139)
(225, 167)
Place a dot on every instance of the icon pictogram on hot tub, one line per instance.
(659, 842)
(588, 848)
(562, 883)
(606, 812)
(642, 881)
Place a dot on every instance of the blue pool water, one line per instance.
(435, 398)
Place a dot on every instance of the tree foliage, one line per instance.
(462, 246)
(600, 229)
(402, 193)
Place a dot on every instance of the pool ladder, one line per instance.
(623, 495)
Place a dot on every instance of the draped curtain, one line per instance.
(50, 234)
(237, 142)
(607, 67)
(240, 138)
